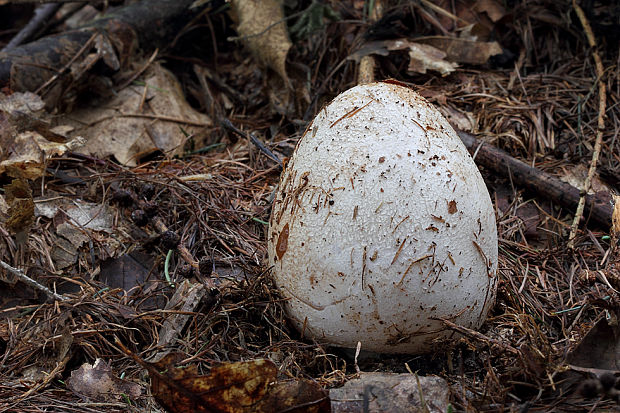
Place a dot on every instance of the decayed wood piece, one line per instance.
(59, 61)
(598, 208)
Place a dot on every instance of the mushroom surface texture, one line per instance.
(382, 226)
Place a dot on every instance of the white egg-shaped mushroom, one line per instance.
(382, 225)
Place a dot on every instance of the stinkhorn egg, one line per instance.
(382, 226)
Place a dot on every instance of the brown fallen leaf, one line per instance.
(423, 57)
(242, 387)
(24, 112)
(26, 137)
(233, 387)
(294, 396)
(97, 382)
(29, 151)
(463, 50)
(492, 8)
(139, 119)
(21, 206)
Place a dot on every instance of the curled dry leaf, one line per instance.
(26, 138)
(262, 28)
(492, 8)
(29, 151)
(462, 50)
(242, 387)
(232, 387)
(439, 53)
(21, 206)
(423, 57)
(98, 383)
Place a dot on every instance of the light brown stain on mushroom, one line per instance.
(282, 244)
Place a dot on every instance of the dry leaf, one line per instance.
(23, 112)
(462, 50)
(242, 387)
(79, 221)
(98, 383)
(186, 299)
(21, 206)
(599, 351)
(66, 247)
(130, 125)
(262, 28)
(492, 8)
(29, 151)
(423, 57)
(26, 139)
(576, 176)
(231, 387)
(127, 271)
(26, 102)
(85, 215)
(460, 119)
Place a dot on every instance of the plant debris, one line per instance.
(157, 239)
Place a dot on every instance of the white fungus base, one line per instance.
(382, 224)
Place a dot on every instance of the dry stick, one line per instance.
(48, 1)
(62, 70)
(226, 123)
(60, 366)
(601, 121)
(598, 209)
(478, 336)
(139, 72)
(523, 175)
(41, 14)
(29, 281)
(187, 256)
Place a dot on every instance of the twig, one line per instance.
(48, 378)
(29, 281)
(48, 1)
(155, 117)
(478, 336)
(228, 125)
(602, 97)
(62, 70)
(41, 15)
(543, 184)
(138, 72)
(187, 256)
